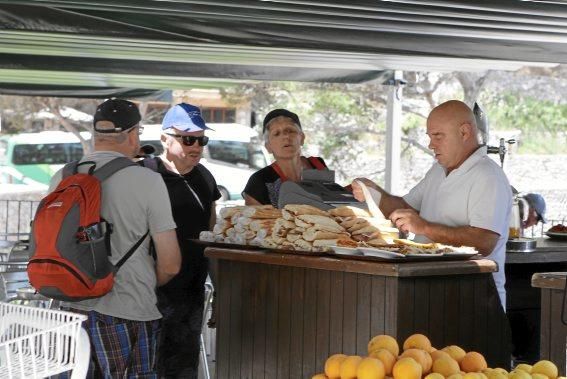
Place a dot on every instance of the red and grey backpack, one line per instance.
(70, 241)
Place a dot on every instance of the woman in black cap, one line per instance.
(283, 138)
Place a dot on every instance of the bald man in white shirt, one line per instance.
(464, 199)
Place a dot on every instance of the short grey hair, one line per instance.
(114, 138)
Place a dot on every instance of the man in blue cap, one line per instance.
(193, 192)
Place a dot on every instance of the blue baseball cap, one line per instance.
(184, 117)
(537, 202)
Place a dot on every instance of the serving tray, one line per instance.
(255, 247)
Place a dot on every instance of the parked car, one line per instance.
(232, 155)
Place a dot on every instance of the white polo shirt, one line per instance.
(475, 194)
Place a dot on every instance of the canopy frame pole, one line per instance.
(394, 133)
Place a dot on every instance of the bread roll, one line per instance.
(312, 234)
(241, 228)
(286, 245)
(281, 227)
(291, 237)
(349, 210)
(301, 244)
(304, 209)
(376, 242)
(221, 229)
(368, 229)
(287, 215)
(228, 212)
(206, 235)
(261, 212)
(269, 243)
(243, 220)
(349, 222)
(263, 233)
(321, 223)
(301, 224)
(347, 243)
(428, 246)
(230, 232)
(256, 225)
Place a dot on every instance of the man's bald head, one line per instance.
(455, 113)
(452, 129)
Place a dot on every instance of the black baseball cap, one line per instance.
(280, 112)
(123, 114)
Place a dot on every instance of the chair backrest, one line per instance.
(10, 281)
(20, 252)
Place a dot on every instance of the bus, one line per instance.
(233, 154)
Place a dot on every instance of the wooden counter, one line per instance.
(553, 340)
(547, 251)
(282, 315)
(524, 301)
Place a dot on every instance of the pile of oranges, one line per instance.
(418, 359)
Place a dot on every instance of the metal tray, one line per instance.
(254, 247)
(412, 258)
(521, 245)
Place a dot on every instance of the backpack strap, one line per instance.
(69, 169)
(112, 167)
(316, 163)
(150, 163)
(130, 252)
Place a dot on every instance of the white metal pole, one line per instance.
(394, 135)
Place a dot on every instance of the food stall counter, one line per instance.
(523, 302)
(282, 315)
(553, 338)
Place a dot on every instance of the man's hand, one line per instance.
(357, 190)
(408, 220)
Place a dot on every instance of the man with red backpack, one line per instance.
(123, 324)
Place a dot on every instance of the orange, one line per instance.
(434, 375)
(519, 374)
(539, 376)
(500, 370)
(349, 366)
(333, 364)
(446, 366)
(384, 341)
(421, 357)
(319, 376)
(546, 368)
(473, 362)
(370, 368)
(387, 359)
(438, 354)
(524, 367)
(455, 352)
(495, 374)
(417, 341)
(407, 368)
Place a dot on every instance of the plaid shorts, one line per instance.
(121, 348)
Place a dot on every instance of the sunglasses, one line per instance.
(190, 140)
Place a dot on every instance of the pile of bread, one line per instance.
(300, 227)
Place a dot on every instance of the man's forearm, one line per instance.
(483, 240)
(389, 203)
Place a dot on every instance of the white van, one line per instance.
(233, 153)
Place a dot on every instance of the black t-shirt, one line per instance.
(191, 219)
(264, 185)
